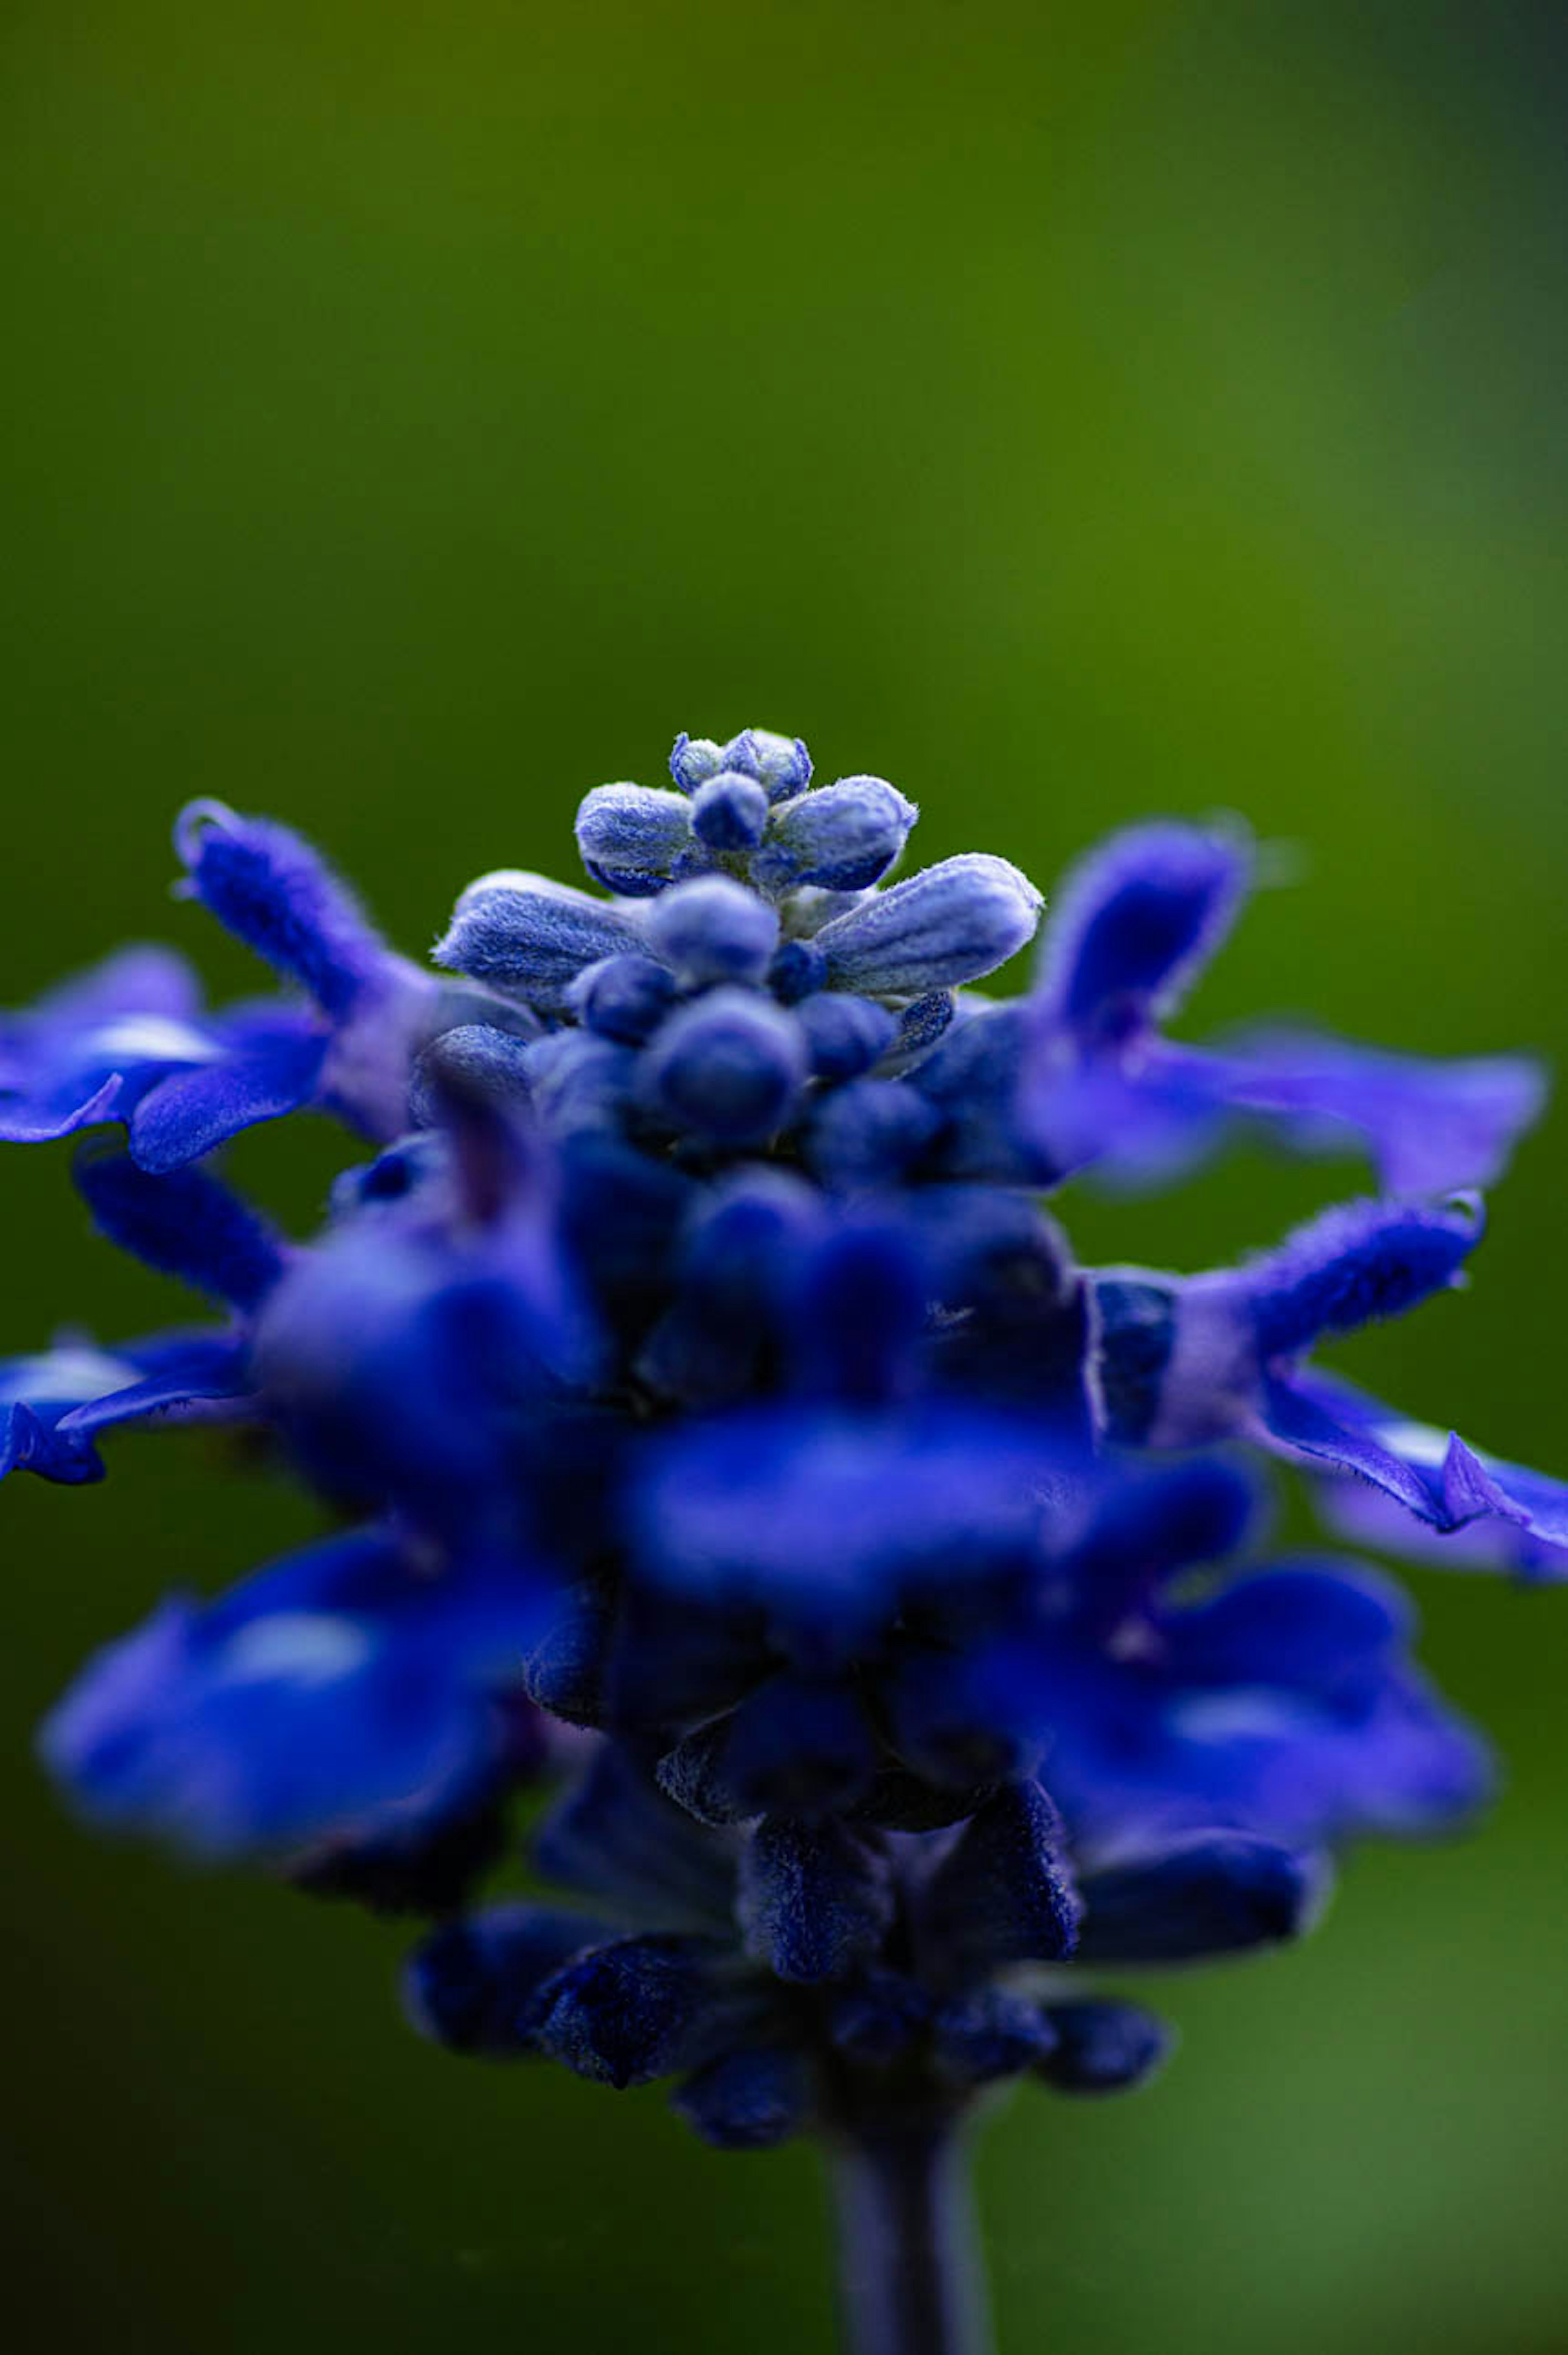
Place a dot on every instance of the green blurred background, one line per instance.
(413, 415)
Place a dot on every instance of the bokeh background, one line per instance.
(413, 415)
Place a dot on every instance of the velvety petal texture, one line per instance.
(712, 1424)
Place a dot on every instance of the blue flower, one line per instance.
(1103, 1087)
(354, 1691)
(722, 1422)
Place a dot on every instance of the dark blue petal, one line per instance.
(752, 2099)
(726, 1068)
(948, 1718)
(1220, 1894)
(694, 759)
(798, 1746)
(623, 997)
(1132, 925)
(879, 2020)
(1420, 1490)
(526, 933)
(626, 2013)
(737, 1508)
(846, 1034)
(1104, 2047)
(950, 924)
(714, 930)
(671, 1669)
(1356, 1263)
(185, 1376)
(630, 838)
(472, 1986)
(332, 1694)
(987, 2033)
(1148, 1526)
(184, 1224)
(1004, 1892)
(843, 837)
(798, 969)
(192, 1112)
(868, 1134)
(1015, 1315)
(814, 1899)
(620, 1213)
(472, 1061)
(617, 1839)
(282, 899)
(729, 812)
(1136, 1317)
(780, 763)
(1430, 1125)
(971, 1078)
(739, 1262)
(1332, 1632)
(858, 1307)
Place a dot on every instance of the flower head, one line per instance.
(718, 1419)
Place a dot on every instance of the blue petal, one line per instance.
(751, 2099)
(867, 1134)
(843, 837)
(846, 1034)
(1359, 1263)
(1333, 1632)
(623, 997)
(1220, 1894)
(729, 812)
(714, 930)
(615, 1839)
(1004, 1892)
(726, 1068)
(971, 1078)
(1104, 2047)
(857, 1306)
(281, 898)
(626, 2013)
(987, 2033)
(182, 1376)
(738, 1263)
(1135, 923)
(1140, 1751)
(472, 1986)
(525, 932)
(336, 1691)
(798, 1746)
(184, 1224)
(1418, 1489)
(780, 763)
(814, 1899)
(188, 1114)
(950, 924)
(1429, 1126)
(630, 837)
(737, 1508)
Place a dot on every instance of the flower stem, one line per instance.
(910, 2276)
